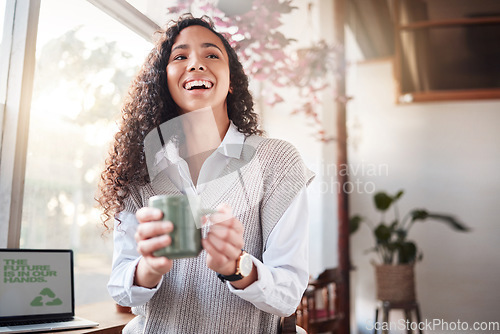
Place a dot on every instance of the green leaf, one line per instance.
(382, 233)
(418, 214)
(398, 195)
(382, 201)
(393, 225)
(407, 252)
(354, 223)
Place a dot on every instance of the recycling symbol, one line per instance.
(46, 294)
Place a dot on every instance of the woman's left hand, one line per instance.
(224, 241)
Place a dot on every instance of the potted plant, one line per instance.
(397, 254)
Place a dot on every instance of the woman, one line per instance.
(257, 184)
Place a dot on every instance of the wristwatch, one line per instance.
(244, 266)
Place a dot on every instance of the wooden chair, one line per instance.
(318, 310)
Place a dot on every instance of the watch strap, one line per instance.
(230, 278)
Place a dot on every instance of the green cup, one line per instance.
(186, 236)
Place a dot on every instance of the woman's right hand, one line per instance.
(149, 238)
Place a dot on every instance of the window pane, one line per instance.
(451, 58)
(85, 61)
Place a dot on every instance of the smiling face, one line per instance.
(198, 71)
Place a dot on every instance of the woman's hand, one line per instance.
(224, 243)
(150, 236)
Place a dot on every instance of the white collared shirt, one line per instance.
(283, 273)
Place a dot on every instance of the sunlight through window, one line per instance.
(85, 61)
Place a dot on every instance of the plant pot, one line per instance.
(395, 283)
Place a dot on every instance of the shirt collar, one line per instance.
(231, 146)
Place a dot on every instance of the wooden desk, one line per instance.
(110, 321)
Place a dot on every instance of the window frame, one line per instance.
(435, 95)
(18, 65)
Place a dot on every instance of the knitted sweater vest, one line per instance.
(191, 299)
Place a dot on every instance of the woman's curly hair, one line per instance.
(150, 104)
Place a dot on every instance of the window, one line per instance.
(447, 49)
(2, 19)
(85, 61)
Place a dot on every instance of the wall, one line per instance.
(308, 26)
(446, 156)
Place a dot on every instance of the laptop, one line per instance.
(37, 291)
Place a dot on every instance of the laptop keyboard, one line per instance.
(34, 322)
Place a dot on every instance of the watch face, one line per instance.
(246, 264)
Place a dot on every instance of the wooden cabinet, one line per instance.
(447, 49)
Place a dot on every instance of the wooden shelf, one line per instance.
(450, 95)
(416, 69)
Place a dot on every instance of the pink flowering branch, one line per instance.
(261, 48)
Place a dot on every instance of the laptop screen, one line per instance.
(36, 284)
